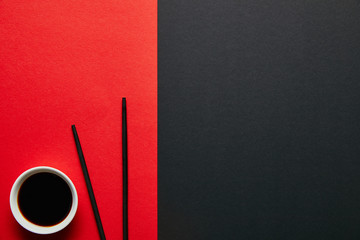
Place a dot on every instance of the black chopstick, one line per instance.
(125, 171)
(88, 184)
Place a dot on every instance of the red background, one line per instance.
(71, 62)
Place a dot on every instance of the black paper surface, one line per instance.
(259, 120)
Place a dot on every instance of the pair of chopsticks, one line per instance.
(125, 177)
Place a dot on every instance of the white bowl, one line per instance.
(26, 223)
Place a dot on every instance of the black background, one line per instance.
(259, 124)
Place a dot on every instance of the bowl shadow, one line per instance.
(61, 235)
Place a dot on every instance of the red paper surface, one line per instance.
(71, 62)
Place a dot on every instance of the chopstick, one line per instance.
(88, 184)
(125, 170)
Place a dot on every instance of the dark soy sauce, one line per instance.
(45, 199)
